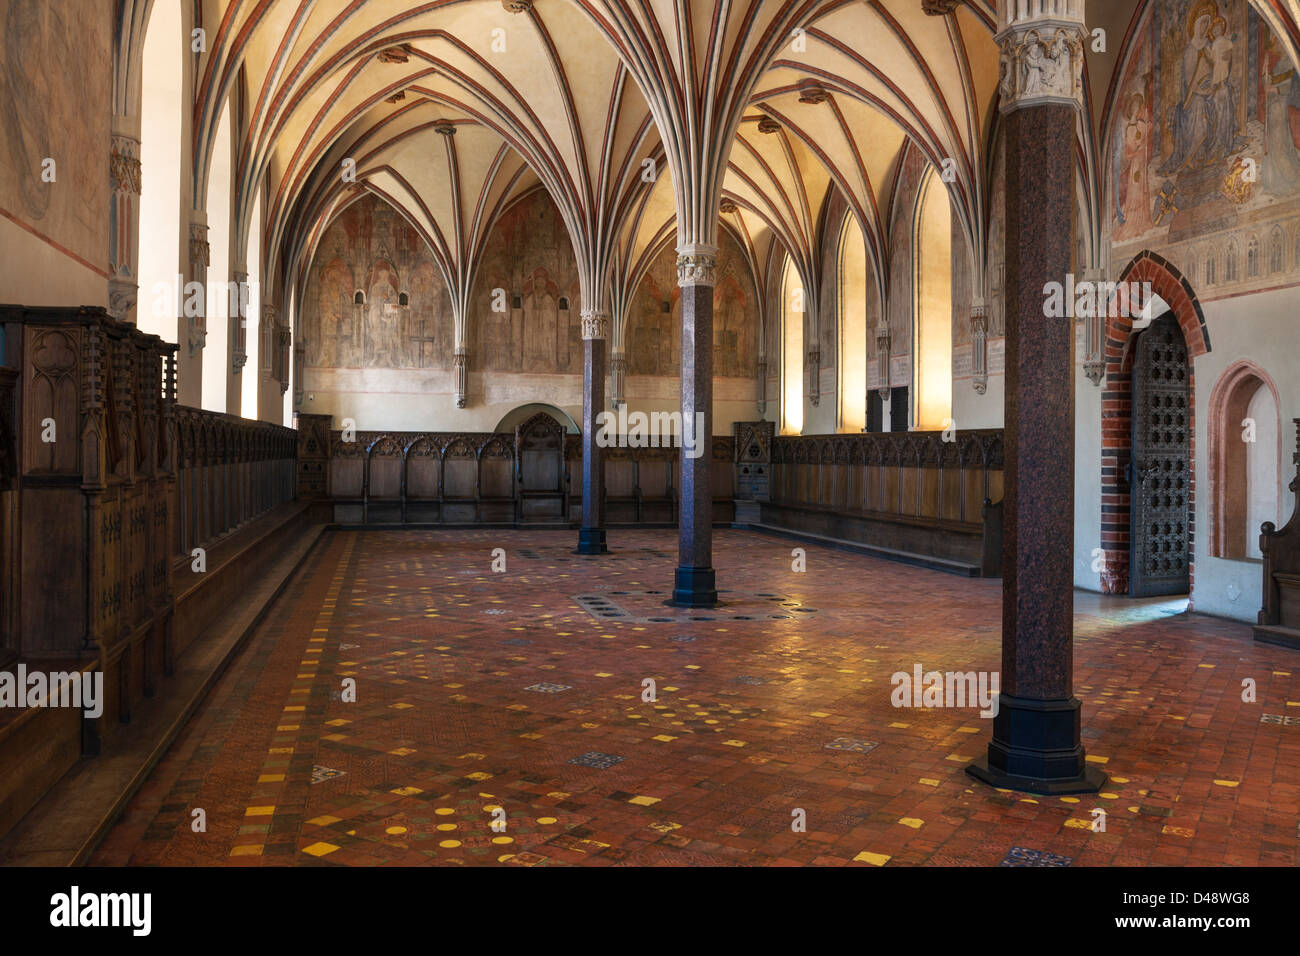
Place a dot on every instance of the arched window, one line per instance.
(359, 298)
(216, 350)
(161, 113)
(403, 299)
(251, 375)
(1210, 278)
(853, 327)
(932, 306)
(1245, 454)
(792, 310)
(1230, 264)
(1276, 251)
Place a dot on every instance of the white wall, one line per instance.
(1263, 328)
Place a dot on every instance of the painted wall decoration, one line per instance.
(48, 112)
(375, 297)
(653, 335)
(1204, 148)
(530, 257)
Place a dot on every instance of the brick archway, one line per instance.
(1117, 411)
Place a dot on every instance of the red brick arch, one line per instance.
(1117, 410)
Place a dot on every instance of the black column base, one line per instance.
(591, 541)
(694, 587)
(1036, 748)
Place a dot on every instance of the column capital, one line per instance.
(697, 264)
(1041, 43)
(595, 324)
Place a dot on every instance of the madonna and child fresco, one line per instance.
(1208, 123)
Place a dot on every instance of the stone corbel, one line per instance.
(979, 331)
(460, 365)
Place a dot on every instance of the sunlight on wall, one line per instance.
(853, 327)
(792, 310)
(216, 352)
(252, 373)
(933, 307)
(160, 180)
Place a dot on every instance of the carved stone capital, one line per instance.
(517, 6)
(1041, 63)
(595, 324)
(939, 8)
(697, 264)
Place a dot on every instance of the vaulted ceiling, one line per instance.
(451, 109)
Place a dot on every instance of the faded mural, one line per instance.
(528, 256)
(653, 334)
(48, 112)
(1204, 157)
(375, 297)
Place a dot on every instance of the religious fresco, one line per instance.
(653, 333)
(375, 297)
(1204, 148)
(535, 323)
(48, 113)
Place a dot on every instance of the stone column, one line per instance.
(1036, 744)
(695, 584)
(595, 328)
(124, 221)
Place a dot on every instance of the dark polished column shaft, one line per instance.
(1036, 742)
(591, 537)
(695, 583)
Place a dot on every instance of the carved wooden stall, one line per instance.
(497, 478)
(1279, 618)
(911, 493)
(106, 485)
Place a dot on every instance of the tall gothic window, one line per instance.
(216, 352)
(853, 327)
(161, 111)
(792, 360)
(932, 306)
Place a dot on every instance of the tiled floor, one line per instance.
(477, 690)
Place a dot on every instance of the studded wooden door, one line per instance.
(1161, 480)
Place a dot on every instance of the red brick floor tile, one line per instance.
(477, 690)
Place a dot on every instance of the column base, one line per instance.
(591, 541)
(1036, 749)
(694, 587)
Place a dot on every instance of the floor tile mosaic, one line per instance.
(380, 716)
